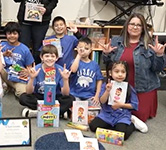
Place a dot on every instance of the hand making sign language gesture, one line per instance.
(157, 47)
(65, 73)
(32, 71)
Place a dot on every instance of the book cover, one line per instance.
(32, 12)
(78, 126)
(56, 42)
(89, 144)
(73, 135)
(118, 92)
(50, 74)
(80, 112)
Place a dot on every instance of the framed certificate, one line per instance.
(15, 132)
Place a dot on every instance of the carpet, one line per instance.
(58, 141)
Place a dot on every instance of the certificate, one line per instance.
(15, 132)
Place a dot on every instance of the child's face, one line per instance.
(118, 73)
(49, 59)
(84, 49)
(12, 37)
(59, 27)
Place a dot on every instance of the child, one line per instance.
(86, 79)
(17, 57)
(118, 116)
(68, 42)
(35, 86)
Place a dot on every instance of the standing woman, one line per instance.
(33, 32)
(145, 59)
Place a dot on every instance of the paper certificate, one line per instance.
(15, 132)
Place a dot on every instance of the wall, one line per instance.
(72, 9)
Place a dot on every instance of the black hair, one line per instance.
(86, 40)
(12, 27)
(58, 18)
(49, 49)
(110, 65)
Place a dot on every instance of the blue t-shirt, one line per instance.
(39, 80)
(83, 82)
(21, 55)
(121, 115)
(68, 43)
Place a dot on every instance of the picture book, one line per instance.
(50, 74)
(89, 144)
(32, 12)
(78, 126)
(56, 42)
(73, 135)
(80, 112)
(118, 92)
(110, 136)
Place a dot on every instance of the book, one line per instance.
(56, 42)
(32, 12)
(50, 74)
(80, 112)
(118, 92)
(78, 126)
(73, 135)
(110, 136)
(89, 144)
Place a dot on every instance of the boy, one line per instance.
(68, 42)
(17, 57)
(86, 78)
(35, 86)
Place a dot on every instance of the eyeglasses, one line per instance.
(135, 25)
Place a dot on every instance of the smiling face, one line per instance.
(12, 37)
(135, 27)
(118, 72)
(48, 60)
(59, 28)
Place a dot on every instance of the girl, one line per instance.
(118, 116)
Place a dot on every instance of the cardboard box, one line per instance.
(49, 93)
(110, 136)
(48, 115)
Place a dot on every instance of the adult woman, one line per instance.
(33, 32)
(145, 61)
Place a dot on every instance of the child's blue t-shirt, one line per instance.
(83, 82)
(39, 80)
(21, 55)
(68, 43)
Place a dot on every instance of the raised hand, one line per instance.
(8, 52)
(65, 73)
(158, 48)
(109, 86)
(72, 27)
(32, 72)
(107, 48)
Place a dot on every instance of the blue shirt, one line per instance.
(21, 55)
(83, 82)
(121, 115)
(68, 43)
(39, 80)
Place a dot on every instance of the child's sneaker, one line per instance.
(29, 113)
(140, 125)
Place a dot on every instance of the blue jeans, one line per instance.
(32, 36)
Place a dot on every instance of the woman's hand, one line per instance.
(107, 48)
(158, 48)
(42, 10)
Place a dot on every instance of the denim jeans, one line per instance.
(32, 36)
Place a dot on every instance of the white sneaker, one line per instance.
(140, 125)
(29, 113)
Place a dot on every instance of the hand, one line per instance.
(65, 73)
(109, 86)
(158, 48)
(8, 53)
(107, 48)
(95, 101)
(116, 105)
(42, 10)
(72, 27)
(23, 72)
(32, 71)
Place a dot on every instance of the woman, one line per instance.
(145, 59)
(35, 30)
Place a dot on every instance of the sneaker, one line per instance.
(140, 125)
(29, 113)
